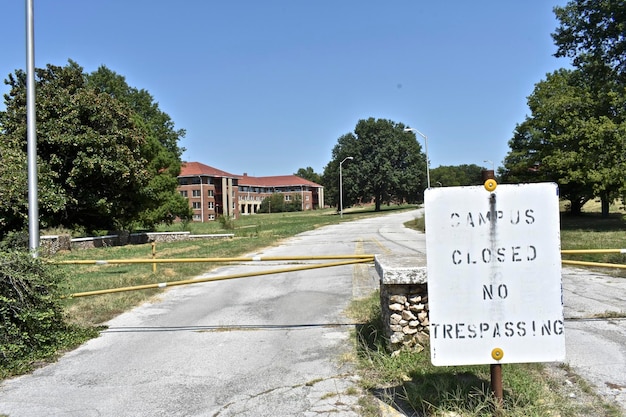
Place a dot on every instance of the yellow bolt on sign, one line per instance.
(497, 354)
(490, 185)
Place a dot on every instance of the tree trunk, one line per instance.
(605, 206)
(575, 207)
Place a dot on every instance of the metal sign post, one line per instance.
(494, 275)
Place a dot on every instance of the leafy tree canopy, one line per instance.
(102, 163)
(461, 175)
(593, 32)
(309, 174)
(387, 166)
(278, 203)
(576, 133)
(570, 138)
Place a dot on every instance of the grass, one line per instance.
(251, 233)
(587, 231)
(408, 382)
(591, 231)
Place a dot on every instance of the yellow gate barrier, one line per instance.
(592, 251)
(191, 260)
(352, 259)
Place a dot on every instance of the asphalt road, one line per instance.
(274, 345)
(595, 341)
(264, 346)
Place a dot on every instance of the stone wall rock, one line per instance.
(404, 301)
(404, 309)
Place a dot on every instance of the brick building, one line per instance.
(212, 192)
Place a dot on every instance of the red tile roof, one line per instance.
(192, 169)
(276, 181)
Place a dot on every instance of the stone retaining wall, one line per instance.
(404, 300)
(52, 244)
(139, 238)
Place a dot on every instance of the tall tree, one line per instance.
(570, 139)
(309, 174)
(593, 32)
(449, 176)
(161, 202)
(388, 164)
(93, 152)
(576, 134)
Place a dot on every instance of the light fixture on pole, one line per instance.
(486, 173)
(341, 185)
(410, 129)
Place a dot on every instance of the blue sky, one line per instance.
(268, 86)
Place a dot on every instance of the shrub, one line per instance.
(32, 325)
(15, 240)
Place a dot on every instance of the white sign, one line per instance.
(494, 274)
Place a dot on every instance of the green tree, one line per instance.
(273, 204)
(461, 175)
(295, 204)
(161, 202)
(388, 165)
(591, 32)
(96, 158)
(576, 134)
(309, 174)
(570, 139)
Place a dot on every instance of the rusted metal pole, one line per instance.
(496, 387)
(154, 267)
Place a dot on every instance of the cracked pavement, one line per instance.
(270, 345)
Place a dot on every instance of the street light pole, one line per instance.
(341, 185)
(31, 133)
(410, 129)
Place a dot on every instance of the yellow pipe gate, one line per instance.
(341, 260)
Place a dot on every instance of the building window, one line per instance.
(211, 216)
(183, 181)
(288, 197)
(197, 218)
(307, 197)
(196, 205)
(183, 193)
(211, 193)
(195, 193)
(211, 205)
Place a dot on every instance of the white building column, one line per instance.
(224, 197)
